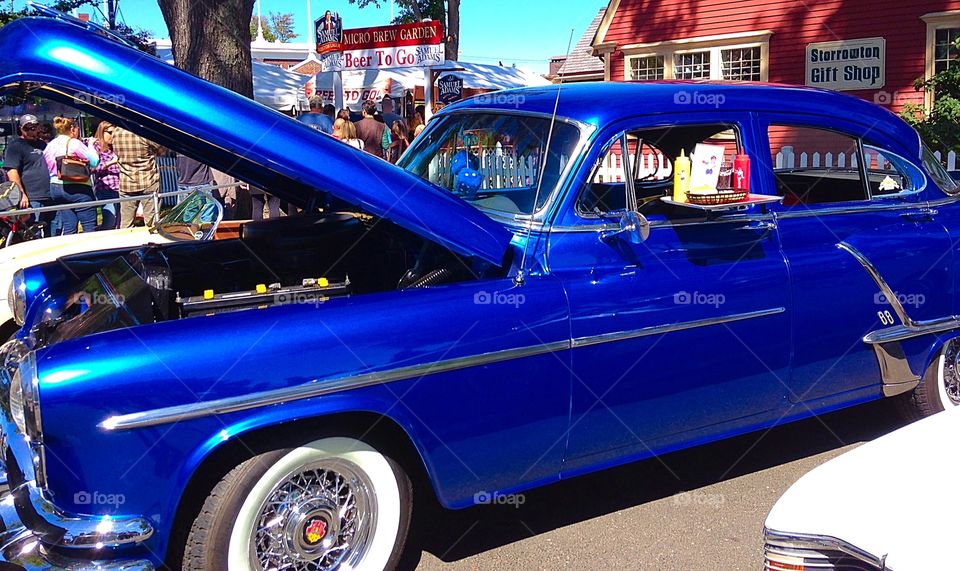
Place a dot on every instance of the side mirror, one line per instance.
(634, 228)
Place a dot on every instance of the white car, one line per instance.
(196, 217)
(885, 505)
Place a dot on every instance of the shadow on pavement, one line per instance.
(455, 535)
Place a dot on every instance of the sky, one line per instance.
(522, 32)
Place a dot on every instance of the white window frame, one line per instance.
(935, 21)
(713, 44)
(627, 67)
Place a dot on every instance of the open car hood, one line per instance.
(62, 61)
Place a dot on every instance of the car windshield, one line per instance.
(494, 160)
(194, 218)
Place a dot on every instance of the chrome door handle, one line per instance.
(759, 226)
(925, 213)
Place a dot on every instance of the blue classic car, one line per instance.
(526, 299)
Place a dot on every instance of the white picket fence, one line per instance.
(951, 163)
(498, 169)
(611, 167)
(788, 159)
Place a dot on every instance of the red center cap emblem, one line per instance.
(315, 531)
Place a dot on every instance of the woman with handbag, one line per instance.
(69, 162)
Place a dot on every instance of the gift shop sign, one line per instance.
(847, 65)
(408, 45)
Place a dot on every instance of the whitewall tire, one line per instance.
(939, 389)
(335, 503)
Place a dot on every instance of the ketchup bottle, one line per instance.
(741, 174)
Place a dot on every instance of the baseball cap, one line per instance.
(27, 120)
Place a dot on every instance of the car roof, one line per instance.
(601, 103)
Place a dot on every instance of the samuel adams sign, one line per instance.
(449, 89)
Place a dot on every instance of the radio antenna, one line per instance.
(519, 279)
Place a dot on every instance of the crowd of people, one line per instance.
(380, 132)
(117, 163)
(51, 165)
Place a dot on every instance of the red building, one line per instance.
(871, 49)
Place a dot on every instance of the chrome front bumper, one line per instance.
(19, 546)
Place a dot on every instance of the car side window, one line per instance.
(815, 166)
(651, 153)
(889, 174)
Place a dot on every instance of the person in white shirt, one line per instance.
(64, 144)
(348, 134)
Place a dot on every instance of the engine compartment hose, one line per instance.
(431, 278)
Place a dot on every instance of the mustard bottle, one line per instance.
(681, 177)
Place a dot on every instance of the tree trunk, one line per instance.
(212, 40)
(452, 48)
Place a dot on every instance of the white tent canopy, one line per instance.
(359, 86)
(274, 86)
(278, 88)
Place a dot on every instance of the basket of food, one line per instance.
(714, 197)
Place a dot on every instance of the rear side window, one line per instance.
(889, 174)
(815, 166)
(939, 173)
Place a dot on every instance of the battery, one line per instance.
(310, 291)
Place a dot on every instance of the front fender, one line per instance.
(484, 393)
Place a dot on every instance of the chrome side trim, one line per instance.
(319, 388)
(881, 283)
(949, 200)
(592, 226)
(661, 329)
(870, 207)
(909, 327)
(918, 328)
(806, 541)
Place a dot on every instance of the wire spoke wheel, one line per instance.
(950, 374)
(317, 518)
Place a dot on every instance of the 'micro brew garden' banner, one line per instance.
(407, 45)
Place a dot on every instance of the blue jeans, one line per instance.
(110, 212)
(46, 217)
(71, 193)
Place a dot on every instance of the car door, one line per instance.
(852, 215)
(683, 336)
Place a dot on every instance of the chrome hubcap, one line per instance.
(318, 518)
(951, 373)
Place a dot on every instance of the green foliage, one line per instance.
(283, 26)
(433, 9)
(410, 10)
(941, 128)
(267, 31)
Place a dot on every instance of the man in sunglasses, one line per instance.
(27, 169)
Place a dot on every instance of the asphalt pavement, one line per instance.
(696, 509)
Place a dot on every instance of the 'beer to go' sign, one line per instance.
(407, 45)
(847, 65)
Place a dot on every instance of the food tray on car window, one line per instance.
(752, 200)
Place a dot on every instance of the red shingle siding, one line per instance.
(794, 25)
